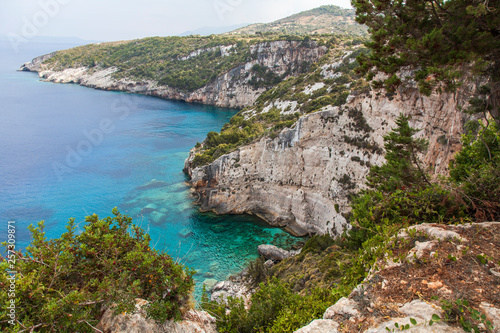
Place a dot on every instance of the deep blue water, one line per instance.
(70, 151)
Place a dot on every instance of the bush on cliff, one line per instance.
(444, 41)
(400, 191)
(475, 170)
(274, 308)
(63, 284)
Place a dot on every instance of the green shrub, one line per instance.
(274, 308)
(317, 243)
(401, 193)
(481, 146)
(201, 159)
(374, 210)
(475, 170)
(63, 283)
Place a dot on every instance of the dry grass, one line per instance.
(450, 271)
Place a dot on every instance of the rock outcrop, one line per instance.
(192, 322)
(437, 291)
(303, 177)
(231, 89)
(274, 253)
(35, 64)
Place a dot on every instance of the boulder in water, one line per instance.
(273, 252)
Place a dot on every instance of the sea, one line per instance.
(68, 151)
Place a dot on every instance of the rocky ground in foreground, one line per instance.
(437, 278)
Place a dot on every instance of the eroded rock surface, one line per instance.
(304, 176)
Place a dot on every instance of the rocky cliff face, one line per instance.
(34, 65)
(232, 89)
(302, 178)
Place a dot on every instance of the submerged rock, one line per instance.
(153, 184)
(218, 228)
(186, 232)
(149, 208)
(210, 283)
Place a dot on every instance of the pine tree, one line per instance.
(443, 40)
(402, 167)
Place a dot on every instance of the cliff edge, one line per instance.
(239, 76)
(301, 178)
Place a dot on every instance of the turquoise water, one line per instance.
(70, 151)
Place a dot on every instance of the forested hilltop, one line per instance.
(187, 63)
(228, 71)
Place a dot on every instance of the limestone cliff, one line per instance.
(302, 178)
(34, 65)
(230, 89)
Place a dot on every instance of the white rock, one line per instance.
(422, 313)
(418, 250)
(273, 252)
(420, 309)
(320, 326)
(224, 289)
(421, 327)
(492, 314)
(433, 231)
(344, 307)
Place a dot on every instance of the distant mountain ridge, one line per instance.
(327, 19)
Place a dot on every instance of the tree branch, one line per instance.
(96, 329)
(31, 259)
(436, 14)
(415, 160)
(31, 328)
(482, 136)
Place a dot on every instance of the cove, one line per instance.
(70, 151)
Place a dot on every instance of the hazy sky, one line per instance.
(125, 19)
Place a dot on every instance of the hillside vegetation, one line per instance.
(323, 20)
(281, 106)
(62, 284)
(186, 63)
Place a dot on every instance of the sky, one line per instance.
(109, 20)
